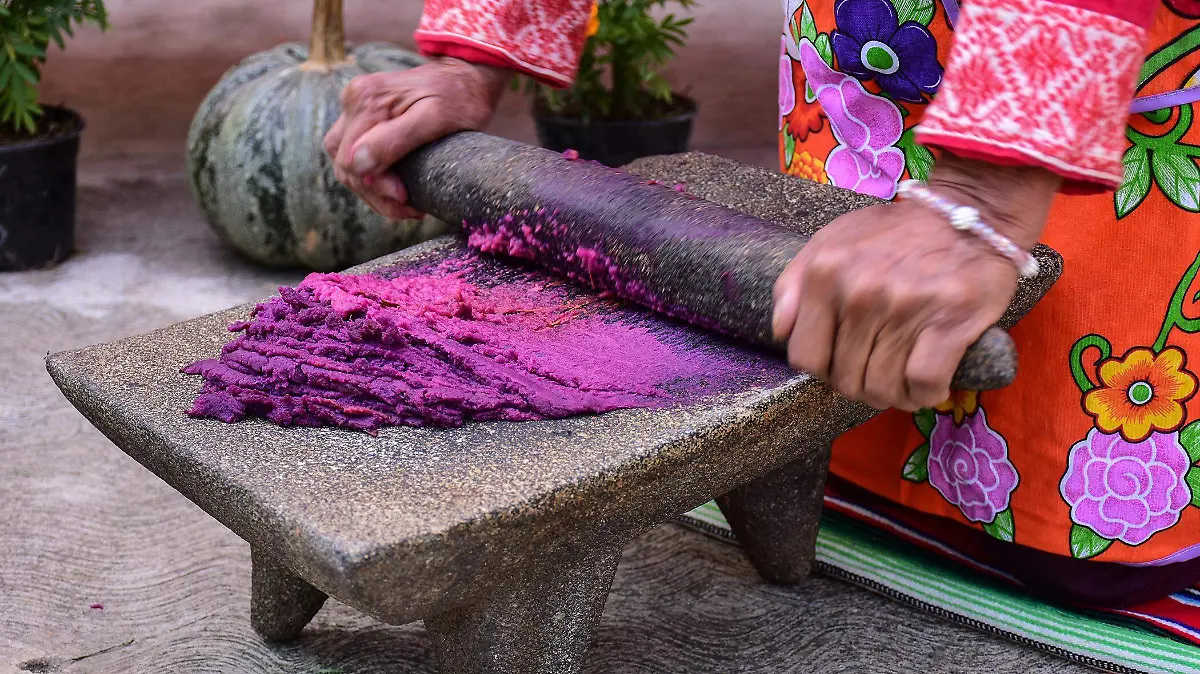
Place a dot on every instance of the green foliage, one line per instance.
(619, 70)
(27, 27)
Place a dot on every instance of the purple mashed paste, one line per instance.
(436, 346)
(538, 236)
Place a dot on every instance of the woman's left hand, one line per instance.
(883, 302)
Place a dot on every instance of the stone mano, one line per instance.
(503, 537)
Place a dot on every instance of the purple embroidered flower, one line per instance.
(870, 44)
(969, 466)
(866, 127)
(787, 88)
(1127, 491)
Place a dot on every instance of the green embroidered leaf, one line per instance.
(916, 468)
(920, 11)
(789, 147)
(1193, 481)
(917, 158)
(824, 48)
(810, 96)
(1189, 437)
(808, 25)
(926, 419)
(1136, 186)
(1086, 543)
(1002, 527)
(1179, 179)
(1158, 116)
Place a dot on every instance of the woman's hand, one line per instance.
(883, 302)
(387, 115)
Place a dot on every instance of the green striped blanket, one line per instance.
(903, 572)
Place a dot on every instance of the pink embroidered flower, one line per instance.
(787, 88)
(1127, 491)
(853, 171)
(969, 466)
(866, 126)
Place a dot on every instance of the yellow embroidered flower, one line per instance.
(961, 404)
(807, 166)
(1141, 393)
(593, 24)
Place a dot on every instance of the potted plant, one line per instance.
(620, 108)
(38, 144)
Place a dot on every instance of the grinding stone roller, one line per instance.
(644, 242)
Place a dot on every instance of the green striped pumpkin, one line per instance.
(259, 171)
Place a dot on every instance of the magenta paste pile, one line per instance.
(460, 340)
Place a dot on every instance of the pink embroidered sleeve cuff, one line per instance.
(1041, 83)
(540, 38)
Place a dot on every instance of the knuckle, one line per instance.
(437, 107)
(957, 297)
(902, 294)
(926, 385)
(356, 89)
(824, 265)
(865, 291)
(369, 92)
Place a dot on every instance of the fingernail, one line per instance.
(785, 306)
(363, 161)
(393, 189)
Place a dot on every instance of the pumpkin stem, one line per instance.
(328, 42)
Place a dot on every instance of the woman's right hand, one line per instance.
(387, 115)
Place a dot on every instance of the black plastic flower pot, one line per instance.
(37, 193)
(617, 142)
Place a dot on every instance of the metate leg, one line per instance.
(777, 516)
(281, 603)
(540, 623)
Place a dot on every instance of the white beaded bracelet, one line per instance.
(967, 219)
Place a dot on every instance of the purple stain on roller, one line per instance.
(730, 288)
(538, 236)
(435, 346)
